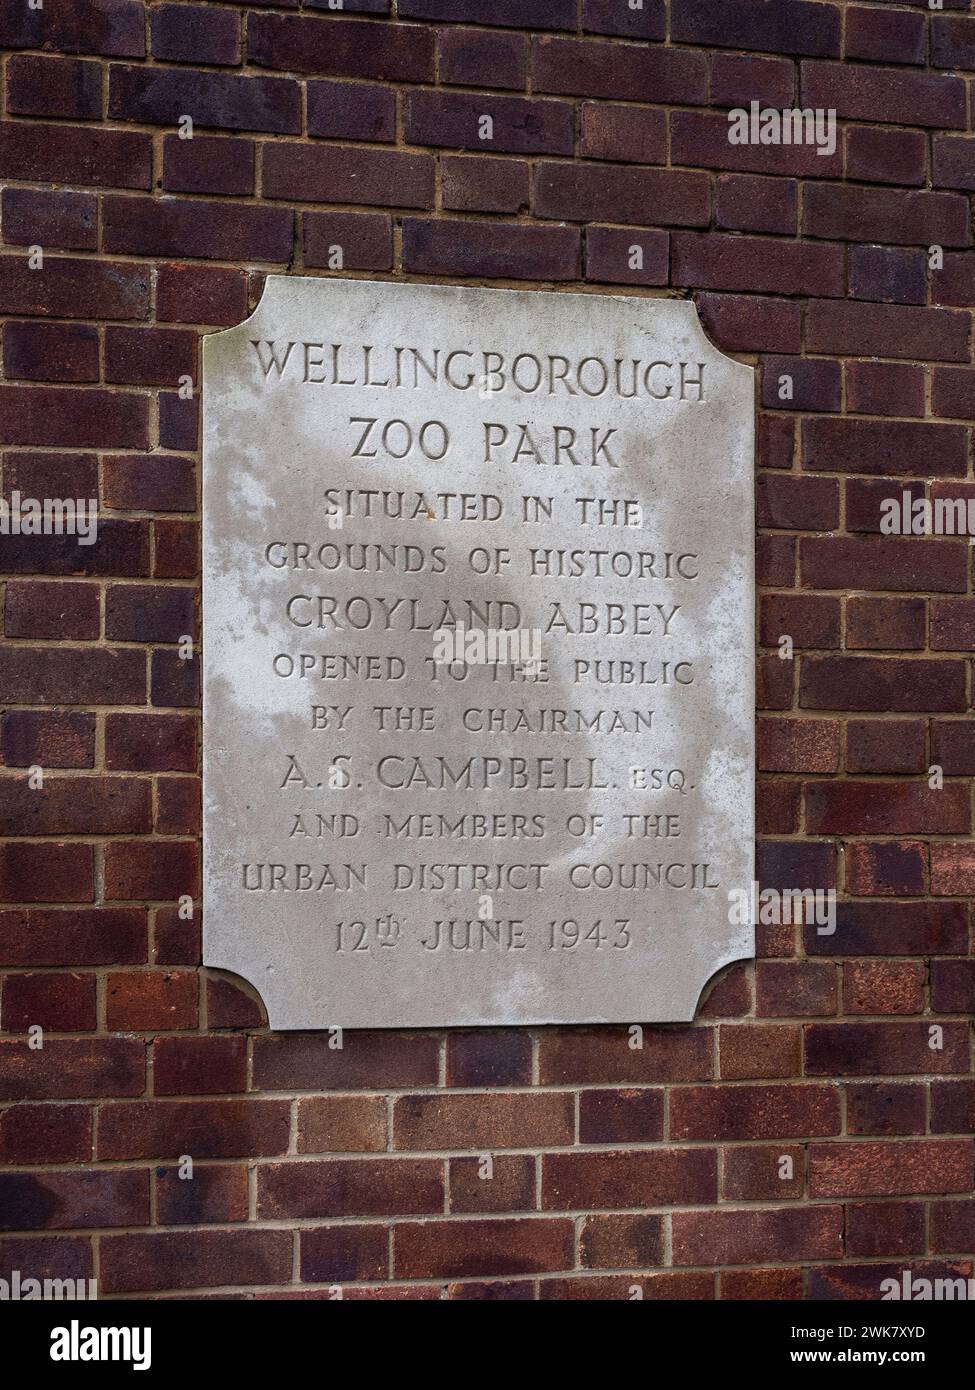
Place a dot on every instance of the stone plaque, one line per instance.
(478, 655)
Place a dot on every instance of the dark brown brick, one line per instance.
(495, 250)
(68, 88)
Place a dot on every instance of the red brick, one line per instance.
(810, 384)
(580, 1055)
(475, 58)
(884, 562)
(811, 621)
(887, 869)
(750, 1235)
(229, 1006)
(47, 737)
(953, 746)
(701, 138)
(617, 193)
(37, 609)
(197, 228)
(884, 388)
(191, 1066)
(753, 1112)
(335, 174)
(759, 1051)
(587, 67)
(953, 41)
(46, 872)
(621, 1242)
(364, 239)
(880, 1170)
(776, 440)
(458, 1249)
(494, 250)
(748, 204)
(775, 560)
(953, 167)
(73, 937)
(213, 1193)
(62, 1201)
(953, 986)
(747, 1285)
(149, 612)
(953, 1226)
(90, 419)
(621, 1116)
(888, 275)
(952, 1107)
(952, 869)
(866, 683)
(159, 871)
(342, 1124)
(200, 294)
(351, 111)
(485, 1122)
(509, 1186)
(489, 1057)
(163, 96)
(76, 155)
(747, 323)
(905, 330)
(887, 745)
(791, 26)
(176, 550)
(65, 220)
(795, 989)
(607, 17)
(737, 80)
(624, 133)
(201, 1128)
(884, 94)
(149, 356)
(32, 1134)
(883, 1108)
(798, 503)
(885, 447)
(195, 34)
(156, 483)
(52, 676)
(305, 1061)
(114, 28)
(878, 624)
(885, 1228)
(341, 47)
(883, 987)
(151, 1000)
(647, 1178)
(879, 1049)
(890, 36)
(59, 1003)
(755, 1173)
(50, 351)
(61, 87)
(891, 929)
(610, 253)
(756, 265)
(336, 1254)
(885, 808)
(72, 1069)
(71, 288)
(367, 1186)
(208, 165)
(194, 1259)
(877, 154)
(453, 120)
(150, 742)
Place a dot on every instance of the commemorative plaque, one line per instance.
(478, 655)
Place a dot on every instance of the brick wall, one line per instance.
(613, 1167)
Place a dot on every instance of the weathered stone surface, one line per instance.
(394, 840)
